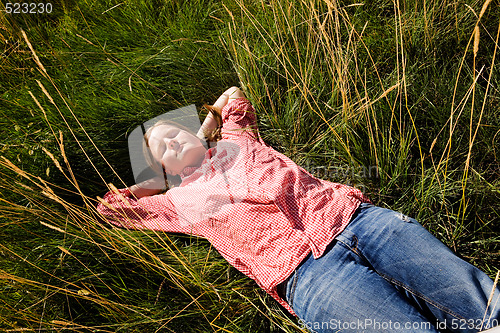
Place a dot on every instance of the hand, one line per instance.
(228, 95)
(148, 187)
(210, 123)
(234, 93)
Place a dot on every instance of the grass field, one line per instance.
(398, 98)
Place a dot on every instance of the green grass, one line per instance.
(389, 96)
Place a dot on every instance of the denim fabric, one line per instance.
(386, 273)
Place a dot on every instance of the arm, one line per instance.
(240, 119)
(148, 187)
(210, 123)
(157, 212)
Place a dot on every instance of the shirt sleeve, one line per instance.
(239, 119)
(122, 209)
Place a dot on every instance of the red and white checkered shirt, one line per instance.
(260, 210)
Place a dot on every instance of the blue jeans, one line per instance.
(387, 273)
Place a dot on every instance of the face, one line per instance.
(175, 148)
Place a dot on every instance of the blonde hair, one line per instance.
(215, 134)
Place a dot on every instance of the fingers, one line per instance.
(228, 95)
(234, 93)
(220, 103)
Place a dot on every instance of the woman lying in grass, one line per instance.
(321, 249)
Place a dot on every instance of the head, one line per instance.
(173, 146)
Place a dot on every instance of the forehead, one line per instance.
(160, 129)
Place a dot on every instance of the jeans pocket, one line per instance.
(349, 240)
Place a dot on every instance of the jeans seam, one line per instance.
(419, 295)
(292, 289)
